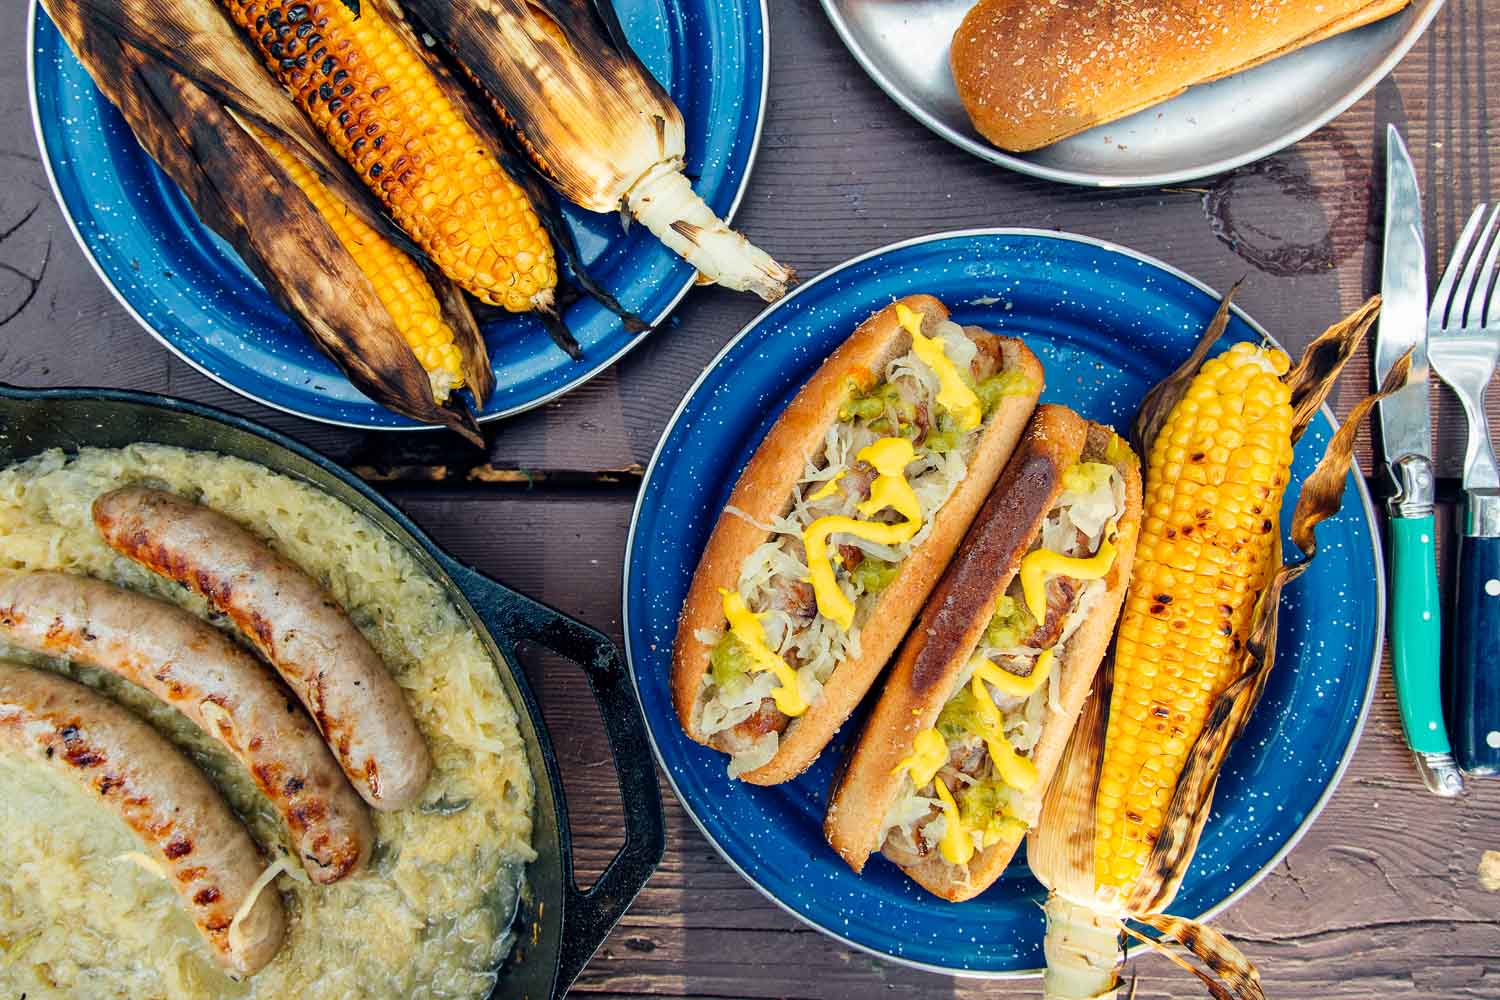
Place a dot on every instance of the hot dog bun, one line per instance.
(1032, 73)
(926, 673)
(765, 489)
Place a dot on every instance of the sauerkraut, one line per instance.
(772, 578)
(427, 918)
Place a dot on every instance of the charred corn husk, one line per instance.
(399, 283)
(1197, 641)
(596, 123)
(363, 83)
(1214, 482)
(250, 198)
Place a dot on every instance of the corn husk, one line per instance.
(595, 122)
(1085, 924)
(524, 174)
(199, 133)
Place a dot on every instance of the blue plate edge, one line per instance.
(1335, 778)
(752, 155)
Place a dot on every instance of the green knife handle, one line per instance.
(1416, 633)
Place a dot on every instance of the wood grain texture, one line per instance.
(1382, 897)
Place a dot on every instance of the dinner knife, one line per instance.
(1415, 617)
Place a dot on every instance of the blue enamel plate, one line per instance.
(1106, 323)
(190, 290)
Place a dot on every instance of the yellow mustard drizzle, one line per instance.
(1042, 563)
(747, 629)
(954, 394)
(1013, 685)
(829, 488)
(956, 847)
(1016, 771)
(889, 457)
(929, 752)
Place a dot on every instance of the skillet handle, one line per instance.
(588, 917)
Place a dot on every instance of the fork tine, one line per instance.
(1476, 280)
(1490, 291)
(1460, 269)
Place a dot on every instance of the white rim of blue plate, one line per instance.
(1365, 505)
(584, 377)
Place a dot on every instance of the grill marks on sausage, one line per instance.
(188, 664)
(156, 792)
(291, 619)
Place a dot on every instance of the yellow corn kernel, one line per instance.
(398, 282)
(1201, 560)
(381, 108)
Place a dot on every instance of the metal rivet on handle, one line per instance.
(1492, 587)
(1493, 739)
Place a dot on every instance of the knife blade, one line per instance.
(1405, 446)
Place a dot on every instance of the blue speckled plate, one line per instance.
(193, 293)
(1107, 323)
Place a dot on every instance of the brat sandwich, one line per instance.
(837, 530)
(948, 773)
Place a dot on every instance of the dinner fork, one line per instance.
(1463, 344)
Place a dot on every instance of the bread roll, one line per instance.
(1031, 72)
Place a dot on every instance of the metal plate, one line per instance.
(903, 45)
(192, 292)
(1107, 323)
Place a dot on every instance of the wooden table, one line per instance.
(1381, 898)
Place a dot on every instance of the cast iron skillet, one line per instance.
(561, 926)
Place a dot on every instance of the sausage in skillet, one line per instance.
(207, 854)
(220, 687)
(289, 618)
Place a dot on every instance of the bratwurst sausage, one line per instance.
(207, 854)
(294, 624)
(220, 687)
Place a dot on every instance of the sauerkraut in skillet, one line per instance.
(81, 917)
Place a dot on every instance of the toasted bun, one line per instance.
(926, 672)
(765, 489)
(1032, 73)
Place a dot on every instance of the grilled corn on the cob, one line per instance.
(596, 123)
(398, 282)
(1214, 483)
(362, 82)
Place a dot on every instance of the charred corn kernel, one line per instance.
(398, 282)
(1214, 482)
(382, 109)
